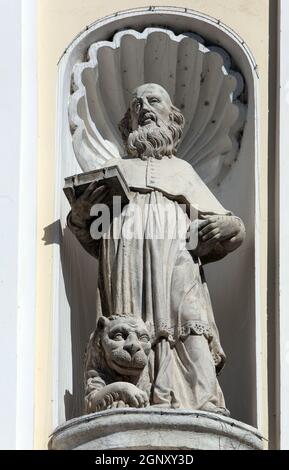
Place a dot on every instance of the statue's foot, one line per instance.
(211, 408)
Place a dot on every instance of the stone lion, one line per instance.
(117, 364)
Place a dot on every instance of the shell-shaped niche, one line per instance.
(198, 78)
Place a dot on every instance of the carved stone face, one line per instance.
(150, 104)
(152, 126)
(126, 344)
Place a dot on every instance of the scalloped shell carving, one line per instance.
(198, 78)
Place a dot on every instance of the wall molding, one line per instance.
(282, 178)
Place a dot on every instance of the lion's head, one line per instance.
(120, 345)
(125, 342)
(118, 351)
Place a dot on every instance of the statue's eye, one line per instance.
(153, 100)
(118, 337)
(144, 338)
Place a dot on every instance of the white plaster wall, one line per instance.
(10, 75)
(18, 222)
(26, 295)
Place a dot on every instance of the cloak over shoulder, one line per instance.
(174, 177)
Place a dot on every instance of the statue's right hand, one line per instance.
(81, 206)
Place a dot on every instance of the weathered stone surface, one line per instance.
(155, 429)
(116, 366)
(148, 271)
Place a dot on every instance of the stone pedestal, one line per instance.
(151, 428)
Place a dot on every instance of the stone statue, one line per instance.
(155, 277)
(116, 368)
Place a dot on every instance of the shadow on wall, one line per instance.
(79, 275)
(80, 291)
(233, 298)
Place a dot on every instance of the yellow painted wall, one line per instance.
(59, 21)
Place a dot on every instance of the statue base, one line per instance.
(155, 429)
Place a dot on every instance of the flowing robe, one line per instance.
(146, 270)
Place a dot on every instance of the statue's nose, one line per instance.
(131, 346)
(143, 105)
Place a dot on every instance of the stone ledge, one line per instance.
(152, 428)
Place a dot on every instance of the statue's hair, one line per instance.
(125, 127)
(176, 125)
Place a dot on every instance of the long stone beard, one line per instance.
(153, 140)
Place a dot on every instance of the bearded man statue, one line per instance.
(156, 276)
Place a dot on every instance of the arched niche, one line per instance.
(233, 282)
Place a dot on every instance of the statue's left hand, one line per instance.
(218, 236)
(213, 228)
